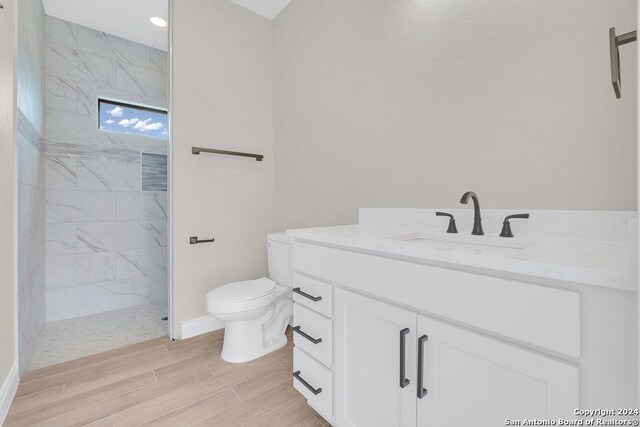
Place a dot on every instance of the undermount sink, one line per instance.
(461, 239)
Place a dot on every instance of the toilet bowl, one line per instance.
(256, 312)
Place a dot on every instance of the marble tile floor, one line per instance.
(71, 339)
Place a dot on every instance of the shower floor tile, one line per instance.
(74, 338)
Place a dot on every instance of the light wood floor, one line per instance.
(164, 383)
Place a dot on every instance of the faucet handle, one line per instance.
(506, 225)
(452, 222)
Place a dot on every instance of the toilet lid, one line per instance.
(243, 291)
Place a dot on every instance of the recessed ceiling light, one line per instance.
(156, 20)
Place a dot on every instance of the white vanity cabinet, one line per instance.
(313, 340)
(396, 368)
(405, 343)
(473, 380)
(377, 343)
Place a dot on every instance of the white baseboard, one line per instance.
(200, 325)
(8, 391)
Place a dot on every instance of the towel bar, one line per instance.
(198, 150)
(614, 43)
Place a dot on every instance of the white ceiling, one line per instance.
(130, 19)
(124, 18)
(267, 8)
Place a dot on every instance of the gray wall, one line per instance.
(410, 103)
(31, 192)
(105, 238)
(222, 98)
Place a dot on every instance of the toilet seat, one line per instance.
(241, 296)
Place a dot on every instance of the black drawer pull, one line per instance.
(315, 391)
(306, 295)
(307, 336)
(422, 392)
(404, 381)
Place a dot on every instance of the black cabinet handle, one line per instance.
(306, 295)
(404, 381)
(422, 392)
(195, 241)
(307, 336)
(315, 391)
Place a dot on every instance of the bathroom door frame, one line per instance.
(12, 7)
(170, 331)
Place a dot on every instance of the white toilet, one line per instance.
(256, 312)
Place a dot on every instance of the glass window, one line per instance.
(132, 119)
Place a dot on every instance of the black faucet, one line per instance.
(452, 222)
(477, 220)
(506, 225)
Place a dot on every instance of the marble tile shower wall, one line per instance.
(31, 191)
(105, 238)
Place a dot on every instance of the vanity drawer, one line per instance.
(312, 333)
(313, 381)
(312, 293)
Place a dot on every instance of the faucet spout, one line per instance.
(477, 219)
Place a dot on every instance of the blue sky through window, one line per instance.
(132, 119)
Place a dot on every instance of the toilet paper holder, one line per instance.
(194, 240)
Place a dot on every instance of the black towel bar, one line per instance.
(198, 150)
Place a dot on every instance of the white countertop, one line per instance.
(591, 262)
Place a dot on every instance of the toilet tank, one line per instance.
(279, 256)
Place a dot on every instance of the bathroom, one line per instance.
(292, 212)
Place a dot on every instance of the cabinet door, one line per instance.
(474, 380)
(373, 343)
